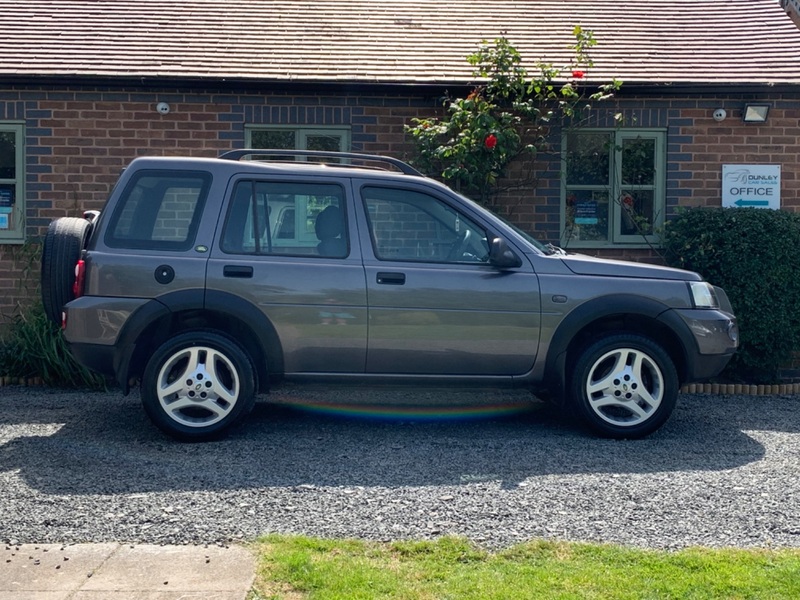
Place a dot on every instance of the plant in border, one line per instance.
(506, 116)
(34, 347)
(31, 346)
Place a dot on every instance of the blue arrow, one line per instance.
(741, 202)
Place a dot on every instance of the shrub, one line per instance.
(753, 254)
(33, 347)
(506, 116)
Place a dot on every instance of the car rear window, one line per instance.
(159, 210)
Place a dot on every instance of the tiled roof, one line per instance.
(390, 41)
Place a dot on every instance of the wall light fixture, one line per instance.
(755, 113)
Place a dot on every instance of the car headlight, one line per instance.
(703, 295)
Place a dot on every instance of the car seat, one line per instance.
(329, 228)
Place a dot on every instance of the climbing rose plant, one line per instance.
(506, 116)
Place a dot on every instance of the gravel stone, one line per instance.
(89, 467)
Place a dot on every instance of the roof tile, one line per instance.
(420, 41)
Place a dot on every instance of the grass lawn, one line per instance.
(296, 568)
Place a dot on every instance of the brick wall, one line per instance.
(77, 141)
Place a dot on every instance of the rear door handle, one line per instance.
(237, 271)
(391, 278)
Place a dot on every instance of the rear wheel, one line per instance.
(63, 244)
(624, 386)
(197, 385)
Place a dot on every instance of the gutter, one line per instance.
(434, 88)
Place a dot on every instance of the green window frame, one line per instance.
(12, 183)
(613, 187)
(293, 137)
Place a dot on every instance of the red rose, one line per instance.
(578, 74)
(490, 141)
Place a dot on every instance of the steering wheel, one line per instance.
(459, 246)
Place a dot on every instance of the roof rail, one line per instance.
(403, 167)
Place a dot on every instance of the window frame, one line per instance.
(301, 135)
(614, 188)
(15, 234)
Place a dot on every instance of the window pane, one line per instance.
(327, 143)
(638, 161)
(411, 226)
(588, 158)
(286, 218)
(8, 155)
(159, 211)
(637, 212)
(279, 140)
(587, 215)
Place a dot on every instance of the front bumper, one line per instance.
(712, 339)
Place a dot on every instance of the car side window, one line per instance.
(414, 226)
(159, 210)
(286, 218)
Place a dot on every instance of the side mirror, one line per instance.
(501, 256)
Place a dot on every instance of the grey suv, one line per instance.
(207, 280)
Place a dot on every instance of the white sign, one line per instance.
(757, 186)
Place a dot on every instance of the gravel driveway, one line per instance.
(77, 467)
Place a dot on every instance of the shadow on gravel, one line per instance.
(88, 443)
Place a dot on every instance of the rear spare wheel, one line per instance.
(65, 239)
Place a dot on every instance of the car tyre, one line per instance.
(65, 240)
(624, 386)
(197, 385)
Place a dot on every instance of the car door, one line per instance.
(436, 305)
(286, 246)
(154, 226)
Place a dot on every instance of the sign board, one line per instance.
(757, 186)
(586, 213)
(6, 195)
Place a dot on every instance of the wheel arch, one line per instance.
(616, 313)
(182, 311)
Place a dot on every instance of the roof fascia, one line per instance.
(217, 85)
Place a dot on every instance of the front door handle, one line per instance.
(391, 278)
(237, 271)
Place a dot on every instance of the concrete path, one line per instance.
(124, 572)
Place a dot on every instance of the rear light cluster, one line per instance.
(77, 287)
(80, 278)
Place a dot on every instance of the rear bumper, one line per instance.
(96, 357)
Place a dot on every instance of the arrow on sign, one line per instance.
(741, 202)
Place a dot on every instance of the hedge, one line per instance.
(753, 254)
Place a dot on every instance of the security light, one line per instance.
(755, 113)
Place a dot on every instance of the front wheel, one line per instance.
(198, 385)
(624, 386)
